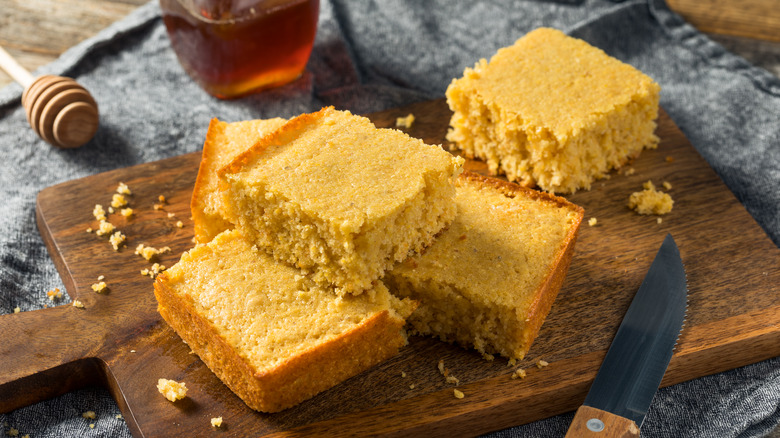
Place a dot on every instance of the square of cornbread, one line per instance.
(489, 280)
(224, 142)
(332, 194)
(552, 111)
(272, 335)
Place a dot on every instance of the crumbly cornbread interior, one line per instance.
(331, 193)
(224, 141)
(481, 282)
(552, 111)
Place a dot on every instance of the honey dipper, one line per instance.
(60, 111)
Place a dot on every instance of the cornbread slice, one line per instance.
(224, 141)
(490, 279)
(331, 193)
(552, 111)
(271, 335)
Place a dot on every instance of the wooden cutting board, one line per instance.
(118, 339)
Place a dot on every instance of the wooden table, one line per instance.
(36, 32)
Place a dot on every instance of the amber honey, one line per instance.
(235, 47)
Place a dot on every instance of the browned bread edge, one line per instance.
(281, 136)
(545, 294)
(198, 215)
(295, 379)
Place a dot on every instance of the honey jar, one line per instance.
(232, 48)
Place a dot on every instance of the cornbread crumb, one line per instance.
(100, 287)
(132, 351)
(89, 230)
(158, 206)
(89, 414)
(79, 304)
(541, 363)
(170, 215)
(54, 294)
(123, 189)
(216, 422)
(404, 122)
(511, 362)
(153, 271)
(627, 171)
(411, 386)
(118, 201)
(171, 389)
(592, 221)
(488, 357)
(99, 213)
(12, 432)
(17, 309)
(667, 185)
(27, 435)
(91, 425)
(101, 277)
(519, 374)
(111, 209)
(118, 416)
(650, 201)
(117, 239)
(658, 220)
(403, 374)
(179, 224)
(458, 394)
(149, 252)
(669, 159)
(446, 373)
(105, 228)
(162, 200)
(127, 212)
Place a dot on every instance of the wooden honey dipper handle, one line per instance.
(60, 111)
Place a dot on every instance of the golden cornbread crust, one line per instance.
(286, 380)
(294, 380)
(552, 111)
(496, 299)
(224, 141)
(332, 194)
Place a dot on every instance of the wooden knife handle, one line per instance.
(592, 422)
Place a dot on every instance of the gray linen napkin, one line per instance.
(371, 56)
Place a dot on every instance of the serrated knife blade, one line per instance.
(639, 354)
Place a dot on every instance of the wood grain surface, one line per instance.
(36, 32)
(758, 19)
(119, 340)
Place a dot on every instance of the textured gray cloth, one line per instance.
(371, 56)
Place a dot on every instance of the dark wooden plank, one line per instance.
(120, 340)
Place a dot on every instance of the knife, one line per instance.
(637, 359)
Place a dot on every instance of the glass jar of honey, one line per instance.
(232, 48)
